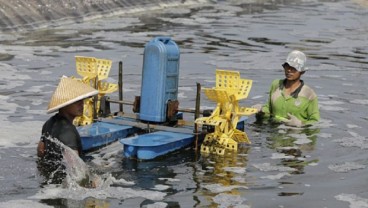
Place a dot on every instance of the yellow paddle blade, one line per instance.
(217, 95)
(243, 111)
(92, 67)
(105, 87)
(233, 84)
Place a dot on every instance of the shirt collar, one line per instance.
(296, 92)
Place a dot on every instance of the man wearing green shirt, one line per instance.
(290, 100)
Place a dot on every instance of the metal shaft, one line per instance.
(120, 85)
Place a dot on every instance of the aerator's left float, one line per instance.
(156, 126)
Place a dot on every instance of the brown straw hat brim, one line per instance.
(69, 91)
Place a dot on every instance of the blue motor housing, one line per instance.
(160, 77)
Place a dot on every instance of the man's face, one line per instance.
(291, 73)
(75, 109)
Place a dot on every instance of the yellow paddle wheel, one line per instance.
(229, 89)
(93, 71)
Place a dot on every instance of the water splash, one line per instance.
(81, 182)
(77, 172)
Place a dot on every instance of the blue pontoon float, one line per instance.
(99, 134)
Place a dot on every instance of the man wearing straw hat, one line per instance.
(59, 129)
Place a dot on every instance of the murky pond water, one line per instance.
(323, 166)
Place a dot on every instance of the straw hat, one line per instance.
(69, 91)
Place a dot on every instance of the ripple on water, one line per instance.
(355, 140)
(354, 200)
(229, 200)
(360, 101)
(156, 205)
(346, 167)
(276, 176)
(23, 203)
(266, 167)
(219, 188)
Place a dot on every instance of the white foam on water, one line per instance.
(101, 23)
(156, 205)
(323, 123)
(188, 22)
(189, 89)
(219, 188)
(204, 107)
(240, 179)
(354, 200)
(209, 81)
(6, 106)
(160, 187)
(28, 54)
(346, 167)
(239, 170)
(80, 193)
(13, 134)
(288, 148)
(182, 95)
(330, 102)
(276, 176)
(11, 76)
(355, 140)
(229, 200)
(226, 63)
(347, 84)
(298, 136)
(24, 133)
(45, 72)
(352, 126)
(313, 164)
(360, 101)
(122, 181)
(179, 10)
(301, 141)
(266, 167)
(78, 48)
(282, 128)
(332, 108)
(276, 156)
(22, 203)
(257, 97)
(324, 135)
(169, 179)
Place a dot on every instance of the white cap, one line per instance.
(297, 60)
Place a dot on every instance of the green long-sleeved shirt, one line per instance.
(302, 103)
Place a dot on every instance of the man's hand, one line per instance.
(293, 121)
(41, 149)
(258, 107)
